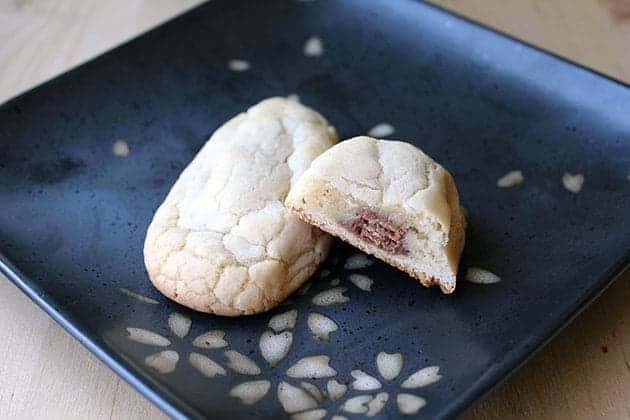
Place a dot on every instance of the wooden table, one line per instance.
(584, 373)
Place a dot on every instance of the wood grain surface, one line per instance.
(584, 373)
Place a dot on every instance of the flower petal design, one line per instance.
(238, 65)
(423, 377)
(321, 326)
(481, 276)
(179, 324)
(510, 179)
(293, 97)
(120, 148)
(251, 392)
(138, 296)
(361, 281)
(210, 340)
(310, 415)
(357, 405)
(410, 404)
(335, 389)
(573, 182)
(283, 321)
(313, 390)
(381, 130)
(240, 363)
(313, 367)
(389, 365)
(376, 405)
(147, 337)
(357, 261)
(294, 399)
(274, 347)
(206, 366)
(164, 361)
(332, 296)
(313, 47)
(363, 381)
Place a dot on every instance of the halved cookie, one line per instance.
(222, 240)
(390, 200)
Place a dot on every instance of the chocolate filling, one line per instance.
(378, 230)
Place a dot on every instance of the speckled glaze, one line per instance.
(73, 214)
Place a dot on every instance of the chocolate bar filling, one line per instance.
(377, 230)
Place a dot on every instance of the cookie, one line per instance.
(390, 200)
(222, 241)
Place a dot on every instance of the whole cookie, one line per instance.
(222, 241)
(390, 200)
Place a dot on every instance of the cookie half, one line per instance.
(390, 200)
(222, 241)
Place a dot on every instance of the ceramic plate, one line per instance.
(86, 159)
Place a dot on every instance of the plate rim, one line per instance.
(176, 408)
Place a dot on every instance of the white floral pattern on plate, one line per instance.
(389, 367)
(365, 391)
(166, 361)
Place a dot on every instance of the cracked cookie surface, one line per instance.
(390, 200)
(222, 241)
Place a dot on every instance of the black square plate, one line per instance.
(73, 214)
